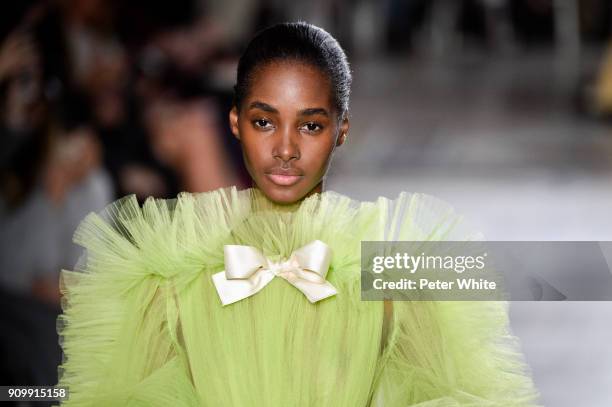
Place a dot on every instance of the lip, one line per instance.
(283, 177)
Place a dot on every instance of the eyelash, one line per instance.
(319, 127)
(256, 123)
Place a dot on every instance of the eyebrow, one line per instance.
(311, 111)
(263, 106)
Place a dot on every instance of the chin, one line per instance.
(283, 195)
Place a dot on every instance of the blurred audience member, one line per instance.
(98, 60)
(183, 107)
(187, 137)
(171, 54)
(50, 179)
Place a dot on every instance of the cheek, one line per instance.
(317, 155)
(254, 149)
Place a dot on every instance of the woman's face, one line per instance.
(288, 127)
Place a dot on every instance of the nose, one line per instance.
(286, 146)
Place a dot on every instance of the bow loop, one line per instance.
(247, 271)
(242, 261)
(314, 257)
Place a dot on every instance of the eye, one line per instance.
(262, 124)
(312, 127)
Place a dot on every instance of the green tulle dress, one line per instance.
(143, 324)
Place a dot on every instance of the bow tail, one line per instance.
(314, 291)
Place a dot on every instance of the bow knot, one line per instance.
(247, 271)
(284, 267)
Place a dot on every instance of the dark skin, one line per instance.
(288, 118)
(288, 122)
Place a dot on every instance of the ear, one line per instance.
(343, 131)
(233, 122)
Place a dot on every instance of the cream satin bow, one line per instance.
(247, 271)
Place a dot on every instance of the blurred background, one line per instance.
(500, 107)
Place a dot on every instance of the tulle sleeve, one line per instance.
(448, 353)
(120, 331)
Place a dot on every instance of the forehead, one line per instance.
(290, 85)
